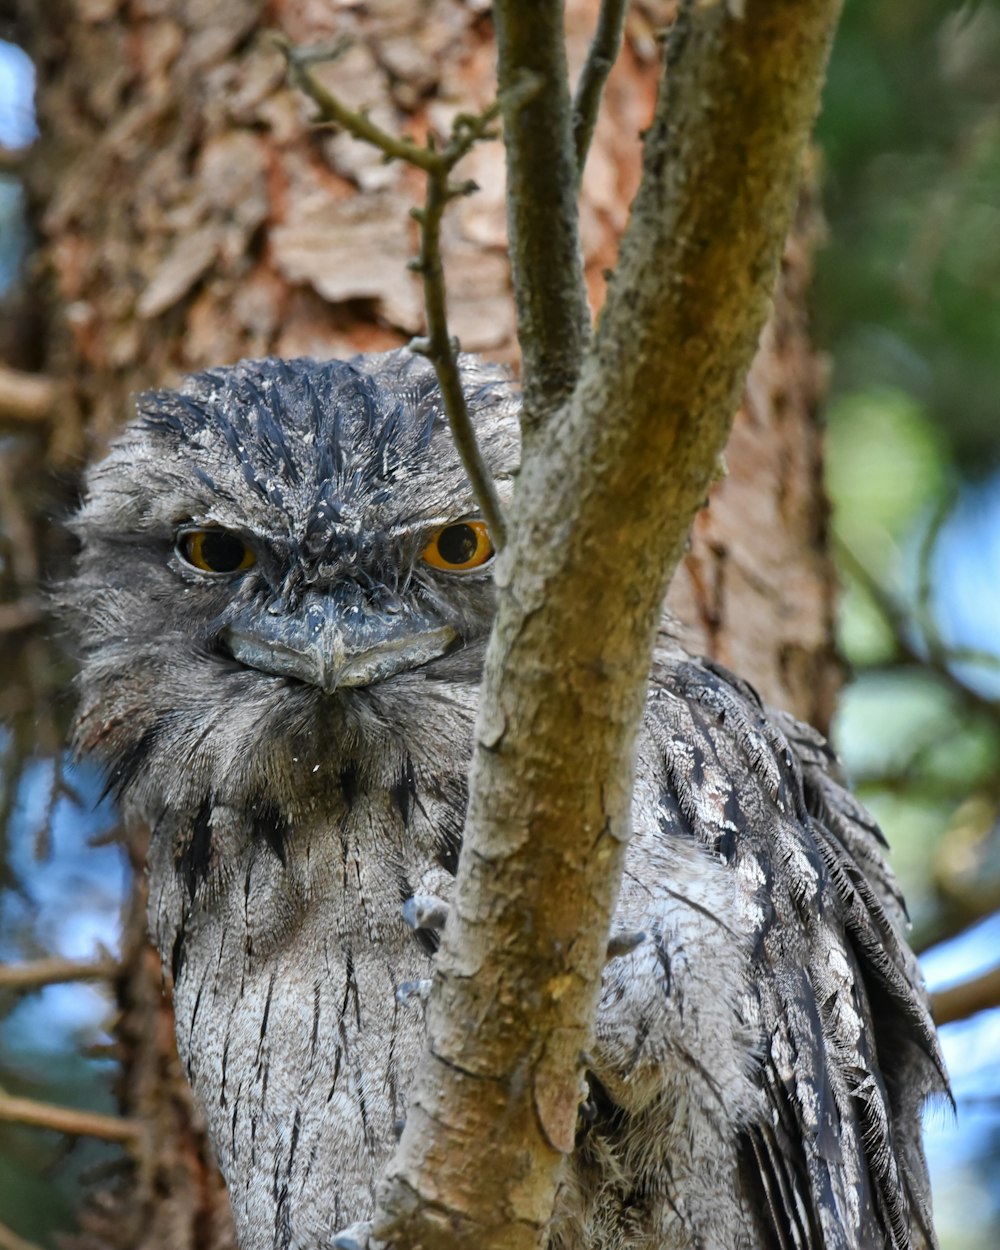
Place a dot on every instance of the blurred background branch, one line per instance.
(36, 974)
(958, 1002)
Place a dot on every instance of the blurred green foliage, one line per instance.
(908, 284)
(907, 303)
(45, 1175)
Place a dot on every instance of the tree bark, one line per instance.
(188, 216)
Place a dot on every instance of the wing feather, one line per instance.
(848, 1046)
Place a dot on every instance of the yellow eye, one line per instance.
(460, 547)
(215, 551)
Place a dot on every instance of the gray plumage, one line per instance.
(297, 732)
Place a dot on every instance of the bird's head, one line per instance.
(275, 554)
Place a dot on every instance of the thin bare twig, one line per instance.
(22, 978)
(57, 791)
(437, 163)
(333, 110)
(925, 560)
(958, 1002)
(26, 398)
(68, 1120)
(600, 60)
(439, 348)
(936, 660)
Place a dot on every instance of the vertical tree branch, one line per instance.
(552, 315)
(615, 475)
(601, 56)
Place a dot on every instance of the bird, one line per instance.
(281, 605)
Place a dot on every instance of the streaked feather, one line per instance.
(761, 1059)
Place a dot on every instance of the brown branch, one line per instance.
(9, 1240)
(68, 1120)
(22, 978)
(333, 111)
(16, 523)
(601, 56)
(954, 916)
(20, 615)
(12, 159)
(553, 320)
(958, 1002)
(437, 163)
(617, 474)
(26, 398)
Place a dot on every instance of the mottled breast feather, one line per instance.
(763, 1046)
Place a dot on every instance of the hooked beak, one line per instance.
(336, 640)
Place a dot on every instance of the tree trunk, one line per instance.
(187, 216)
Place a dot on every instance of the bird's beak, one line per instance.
(337, 639)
